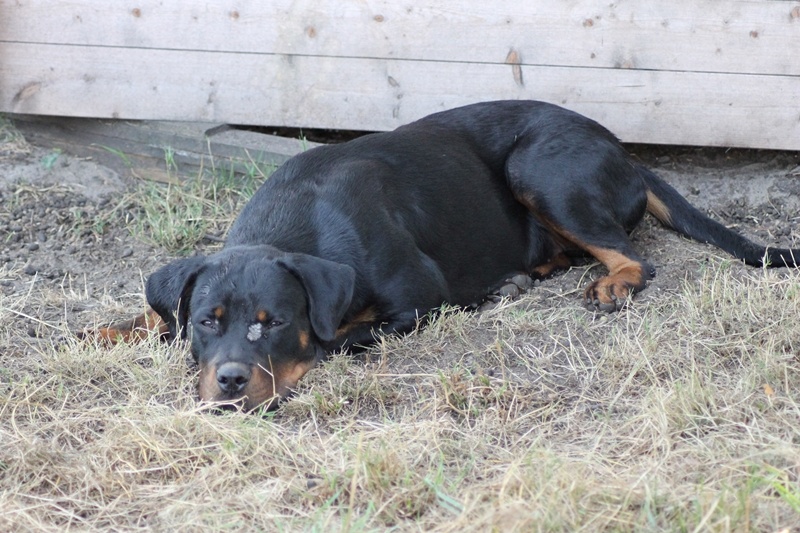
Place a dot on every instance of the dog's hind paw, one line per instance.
(608, 294)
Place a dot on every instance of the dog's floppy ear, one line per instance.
(168, 291)
(329, 287)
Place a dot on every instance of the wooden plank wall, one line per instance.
(698, 72)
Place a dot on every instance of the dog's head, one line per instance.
(257, 318)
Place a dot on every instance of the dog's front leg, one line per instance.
(357, 334)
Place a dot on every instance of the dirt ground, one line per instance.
(65, 227)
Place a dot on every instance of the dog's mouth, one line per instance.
(250, 387)
(244, 404)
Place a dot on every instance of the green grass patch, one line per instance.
(178, 217)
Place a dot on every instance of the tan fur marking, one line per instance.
(559, 261)
(261, 316)
(658, 209)
(261, 388)
(219, 312)
(292, 374)
(624, 275)
(208, 388)
(302, 338)
(134, 330)
(268, 384)
(365, 316)
(613, 260)
(265, 387)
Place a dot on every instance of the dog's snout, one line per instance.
(233, 377)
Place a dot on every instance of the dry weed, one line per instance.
(678, 414)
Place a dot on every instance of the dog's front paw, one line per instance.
(129, 331)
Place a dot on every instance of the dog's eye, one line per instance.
(274, 324)
(209, 323)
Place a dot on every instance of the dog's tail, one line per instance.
(672, 210)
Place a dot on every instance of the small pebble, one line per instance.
(486, 306)
(509, 290)
(127, 252)
(30, 270)
(33, 246)
(523, 281)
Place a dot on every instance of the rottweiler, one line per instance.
(350, 241)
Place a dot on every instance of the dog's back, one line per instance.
(423, 193)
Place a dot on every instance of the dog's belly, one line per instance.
(476, 249)
(471, 226)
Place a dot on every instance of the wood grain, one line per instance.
(707, 72)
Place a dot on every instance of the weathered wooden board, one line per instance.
(704, 72)
(750, 36)
(349, 93)
(140, 148)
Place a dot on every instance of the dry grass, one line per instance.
(12, 144)
(680, 414)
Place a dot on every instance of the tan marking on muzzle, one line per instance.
(284, 377)
(208, 387)
(257, 392)
(266, 385)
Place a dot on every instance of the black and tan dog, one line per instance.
(348, 241)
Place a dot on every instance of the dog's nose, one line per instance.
(233, 377)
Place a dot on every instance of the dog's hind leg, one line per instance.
(585, 193)
(559, 261)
